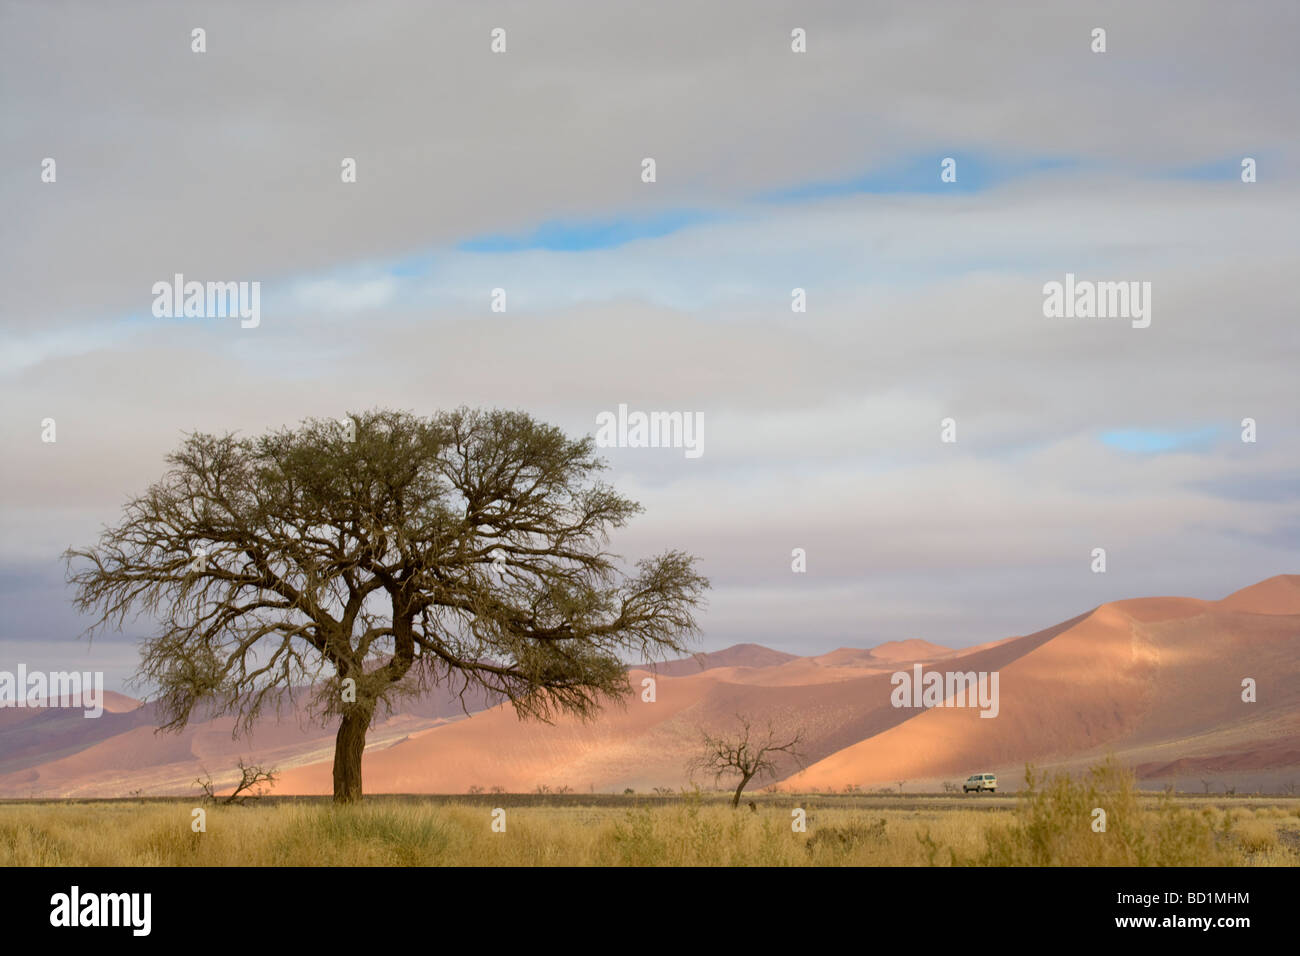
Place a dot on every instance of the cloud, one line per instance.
(228, 163)
(342, 295)
(776, 171)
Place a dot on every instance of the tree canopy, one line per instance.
(378, 556)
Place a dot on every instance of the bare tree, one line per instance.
(376, 557)
(251, 781)
(204, 783)
(747, 752)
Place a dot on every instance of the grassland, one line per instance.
(1051, 823)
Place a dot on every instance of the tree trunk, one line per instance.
(735, 801)
(348, 746)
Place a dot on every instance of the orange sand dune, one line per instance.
(643, 745)
(1275, 595)
(910, 650)
(738, 655)
(61, 754)
(845, 663)
(640, 745)
(1157, 681)
(1140, 676)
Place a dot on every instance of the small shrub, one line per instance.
(843, 839)
(1054, 820)
(1255, 836)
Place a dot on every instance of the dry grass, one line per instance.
(403, 833)
(1050, 825)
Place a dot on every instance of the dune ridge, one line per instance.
(1156, 680)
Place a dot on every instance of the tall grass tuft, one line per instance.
(1054, 826)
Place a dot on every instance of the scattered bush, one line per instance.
(842, 839)
(1255, 836)
(1055, 817)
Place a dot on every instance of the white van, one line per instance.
(979, 782)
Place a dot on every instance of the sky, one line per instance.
(774, 171)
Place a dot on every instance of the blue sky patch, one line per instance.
(582, 236)
(1154, 441)
(921, 175)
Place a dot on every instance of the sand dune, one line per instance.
(60, 753)
(1276, 595)
(1158, 681)
(738, 655)
(1145, 678)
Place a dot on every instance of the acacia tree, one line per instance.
(377, 557)
(748, 752)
